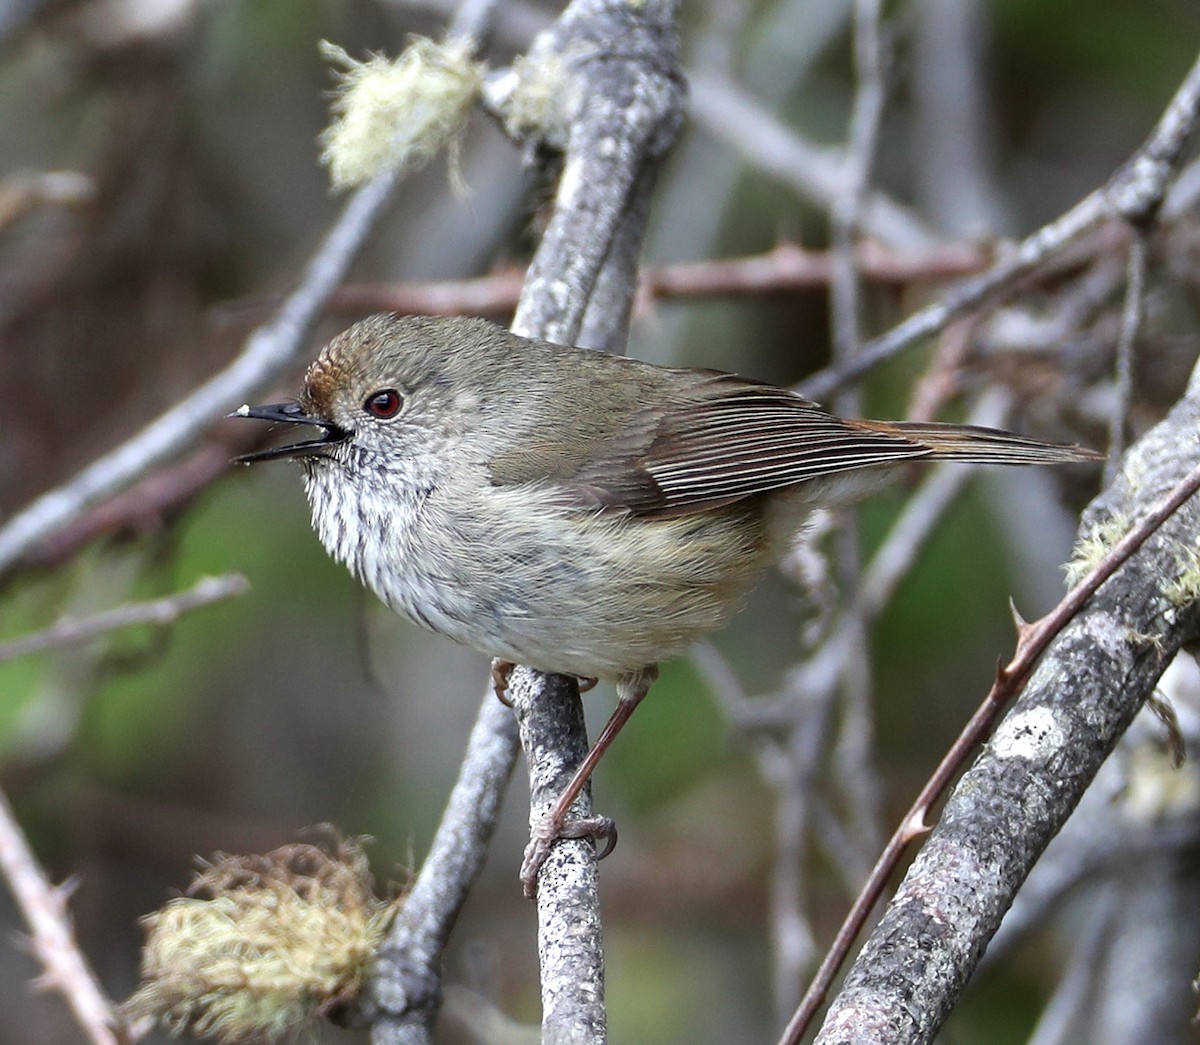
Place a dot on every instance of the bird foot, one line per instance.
(501, 670)
(550, 829)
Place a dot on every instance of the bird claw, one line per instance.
(546, 832)
(501, 670)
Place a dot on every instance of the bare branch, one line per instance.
(786, 267)
(75, 631)
(848, 206)
(853, 761)
(895, 557)
(1131, 322)
(147, 504)
(45, 909)
(405, 987)
(813, 171)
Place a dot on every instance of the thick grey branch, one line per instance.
(624, 104)
(405, 988)
(1079, 700)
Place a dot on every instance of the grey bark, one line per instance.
(1003, 813)
(622, 105)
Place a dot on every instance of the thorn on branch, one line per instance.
(1022, 626)
(1003, 674)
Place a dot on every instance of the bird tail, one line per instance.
(975, 443)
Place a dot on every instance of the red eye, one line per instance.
(384, 403)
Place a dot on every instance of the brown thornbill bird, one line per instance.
(574, 511)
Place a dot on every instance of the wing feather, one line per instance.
(737, 439)
(707, 439)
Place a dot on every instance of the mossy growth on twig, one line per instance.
(399, 112)
(536, 100)
(1184, 588)
(262, 945)
(1091, 548)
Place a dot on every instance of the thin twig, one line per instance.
(853, 762)
(75, 631)
(788, 762)
(786, 267)
(1031, 643)
(1131, 322)
(908, 534)
(847, 210)
(45, 909)
(812, 170)
(148, 503)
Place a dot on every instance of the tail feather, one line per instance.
(979, 444)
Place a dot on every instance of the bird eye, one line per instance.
(383, 404)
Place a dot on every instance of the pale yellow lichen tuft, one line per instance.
(1184, 588)
(536, 107)
(1093, 546)
(398, 113)
(262, 945)
(1156, 788)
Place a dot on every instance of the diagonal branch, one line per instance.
(268, 350)
(405, 988)
(45, 908)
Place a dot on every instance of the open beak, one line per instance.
(291, 413)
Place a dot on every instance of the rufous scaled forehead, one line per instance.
(321, 379)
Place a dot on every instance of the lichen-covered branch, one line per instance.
(616, 79)
(1079, 700)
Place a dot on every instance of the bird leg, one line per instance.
(558, 823)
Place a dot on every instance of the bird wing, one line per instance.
(722, 439)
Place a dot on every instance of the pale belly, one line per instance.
(519, 578)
